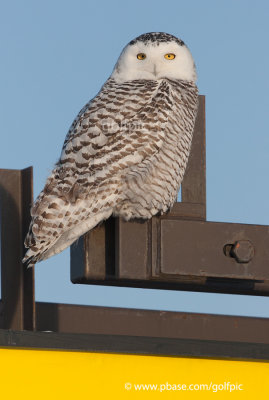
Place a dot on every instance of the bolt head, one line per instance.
(243, 251)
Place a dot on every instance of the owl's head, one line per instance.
(154, 56)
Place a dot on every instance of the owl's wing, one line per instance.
(115, 127)
(121, 127)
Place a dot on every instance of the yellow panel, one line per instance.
(41, 374)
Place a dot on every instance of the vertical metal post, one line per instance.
(194, 182)
(18, 304)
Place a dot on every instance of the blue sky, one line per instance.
(55, 55)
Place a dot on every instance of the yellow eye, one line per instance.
(169, 56)
(141, 56)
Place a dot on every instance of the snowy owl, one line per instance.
(126, 152)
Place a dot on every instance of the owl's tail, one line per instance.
(37, 252)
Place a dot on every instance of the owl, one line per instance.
(126, 152)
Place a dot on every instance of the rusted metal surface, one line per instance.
(16, 191)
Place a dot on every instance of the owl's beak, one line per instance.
(154, 70)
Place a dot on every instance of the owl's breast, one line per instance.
(151, 186)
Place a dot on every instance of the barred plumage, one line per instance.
(126, 152)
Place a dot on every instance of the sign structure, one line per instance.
(31, 374)
(50, 350)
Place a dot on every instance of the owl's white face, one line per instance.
(154, 60)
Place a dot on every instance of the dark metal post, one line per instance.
(16, 194)
(194, 183)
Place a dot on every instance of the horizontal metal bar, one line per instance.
(134, 345)
(193, 211)
(71, 318)
(134, 331)
(189, 284)
(176, 253)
